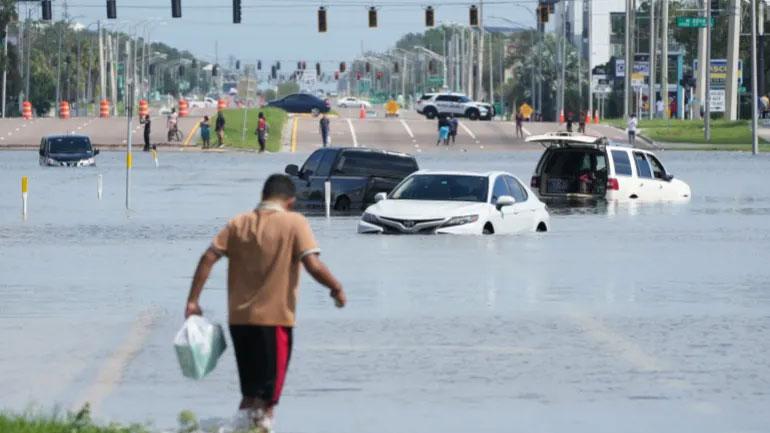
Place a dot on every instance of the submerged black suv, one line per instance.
(356, 175)
(67, 150)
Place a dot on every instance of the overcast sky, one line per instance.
(284, 29)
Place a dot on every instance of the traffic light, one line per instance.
(237, 65)
(181, 69)
(715, 8)
(430, 66)
(46, 5)
(112, 10)
(259, 65)
(543, 13)
(273, 72)
(236, 11)
(342, 66)
(429, 18)
(473, 15)
(152, 69)
(367, 67)
(278, 65)
(215, 71)
(176, 8)
(318, 69)
(372, 17)
(395, 67)
(322, 20)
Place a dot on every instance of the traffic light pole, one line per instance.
(629, 67)
(707, 64)
(754, 95)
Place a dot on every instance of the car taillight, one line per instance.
(535, 183)
(612, 184)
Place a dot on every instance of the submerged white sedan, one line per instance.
(428, 202)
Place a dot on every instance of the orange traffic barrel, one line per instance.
(26, 110)
(64, 110)
(104, 108)
(183, 108)
(596, 116)
(144, 108)
(561, 116)
(221, 104)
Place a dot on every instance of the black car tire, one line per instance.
(472, 114)
(430, 113)
(342, 204)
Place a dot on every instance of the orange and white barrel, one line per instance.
(26, 110)
(64, 110)
(104, 108)
(184, 108)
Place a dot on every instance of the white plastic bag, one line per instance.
(199, 344)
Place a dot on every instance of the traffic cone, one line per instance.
(588, 117)
(561, 116)
(596, 116)
(362, 112)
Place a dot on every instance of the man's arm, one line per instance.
(199, 279)
(318, 270)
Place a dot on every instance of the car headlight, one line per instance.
(369, 218)
(51, 161)
(461, 220)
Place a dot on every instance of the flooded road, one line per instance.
(622, 318)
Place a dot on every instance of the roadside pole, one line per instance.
(589, 6)
(754, 96)
(707, 64)
(651, 97)
(129, 102)
(102, 79)
(5, 68)
(245, 105)
(628, 66)
(664, 57)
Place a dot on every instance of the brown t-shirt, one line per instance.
(265, 248)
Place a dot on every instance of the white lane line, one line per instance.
(23, 125)
(17, 129)
(408, 129)
(353, 133)
(112, 370)
(468, 131)
(526, 131)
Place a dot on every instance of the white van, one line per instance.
(576, 166)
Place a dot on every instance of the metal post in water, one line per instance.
(129, 102)
(754, 94)
(328, 198)
(24, 195)
(155, 158)
(99, 186)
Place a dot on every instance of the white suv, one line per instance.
(432, 105)
(576, 166)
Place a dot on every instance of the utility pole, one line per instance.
(700, 82)
(5, 67)
(707, 119)
(733, 47)
(491, 76)
(652, 99)
(589, 28)
(480, 74)
(471, 81)
(754, 95)
(129, 101)
(664, 55)
(562, 54)
(761, 49)
(629, 63)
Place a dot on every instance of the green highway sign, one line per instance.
(435, 81)
(692, 22)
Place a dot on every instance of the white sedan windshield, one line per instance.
(447, 187)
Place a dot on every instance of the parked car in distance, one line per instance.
(67, 150)
(356, 176)
(433, 105)
(350, 101)
(301, 103)
(457, 203)
(580, 167)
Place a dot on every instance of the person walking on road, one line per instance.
(205, 132)
(519, 125)
(631, 127)
(444, 127)
(453, 125)
(146, 122)
(219, 127)
(262, 131)
(266, 248)
(323, 125)
(171, 125)
(582, 122)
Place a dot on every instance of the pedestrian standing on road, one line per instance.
(219, 127)
(659, 109)
(443, 131)
(205, 132)
(323, 126)
(582, 122)
(631, 127)
(266, 248)
(262, 131)
(171, 124)
(519, 125)
(146, 122)
(453, 125)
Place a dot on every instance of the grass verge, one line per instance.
(276, 119)
(79, 422)
(725, 134)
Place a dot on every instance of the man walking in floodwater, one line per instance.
(265, 248)
(323, 125)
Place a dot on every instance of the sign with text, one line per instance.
(717, 101)
(692, 22)
(719, 72)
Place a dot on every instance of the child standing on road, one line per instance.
(205, 132)
(444, 127)
(632, 129)
(453, 125)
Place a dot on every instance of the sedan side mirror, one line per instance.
(669, 177)
(292, 170)
(504, 201)
(380, 196)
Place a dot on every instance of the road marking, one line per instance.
(408, 129)
(468, 131)
(353, 133)
(189, 137)
(112, 370)
(526, 131)
(17, 129)
(294, 135)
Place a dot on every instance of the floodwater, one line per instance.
(621, 319)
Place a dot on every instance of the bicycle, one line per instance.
(175, 134)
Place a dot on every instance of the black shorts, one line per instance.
(262, 354)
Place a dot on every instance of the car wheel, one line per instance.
(542, 227)
(430, 113)
(342, 204)
(488, 229)
(472, 114)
